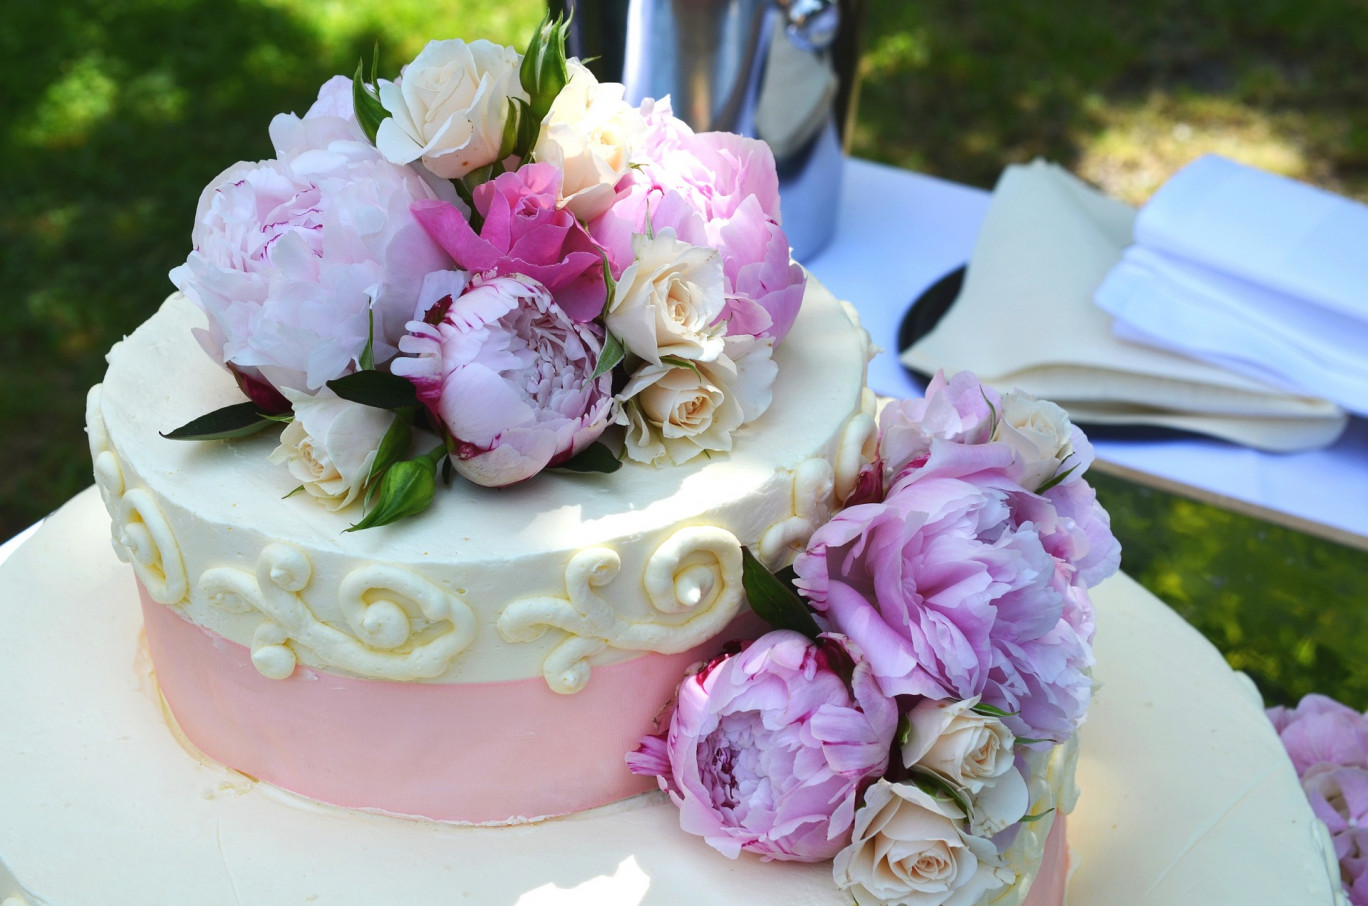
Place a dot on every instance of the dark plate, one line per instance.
(926, 312)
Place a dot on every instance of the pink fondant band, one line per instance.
(484, 752)
(1051, 883)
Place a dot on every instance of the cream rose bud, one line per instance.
(668, 300)
(330, 445)
(909, 848)
(958, 743)
(589, 134)
(675, 412)
(1039, 433)
(450, 106)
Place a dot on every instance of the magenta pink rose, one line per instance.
(952, 589)
(292, 256)
(508, 373)
(524, 233)
(769, 747)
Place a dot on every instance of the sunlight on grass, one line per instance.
(74, 105)
(1137, 146)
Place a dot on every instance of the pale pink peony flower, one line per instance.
(953, 588)
(1322, 730)
(524, 232)
(712, 189)
(769, 746)
(508, 374)
(291, 255)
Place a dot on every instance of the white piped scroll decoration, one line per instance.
(858, 447)
(693, 580)
(143, 539)
(814, 483)
(405, 627)
(108, 473)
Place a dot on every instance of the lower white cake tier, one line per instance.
(1187, 796)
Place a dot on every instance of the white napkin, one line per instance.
(1252, 272)
(1025, 318)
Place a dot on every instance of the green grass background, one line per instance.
(116, 114)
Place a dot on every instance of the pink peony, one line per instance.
(961, 583)
(508, 373)
(718, 190)
(1339, 798)
(1321, 730)
(769, 747)
(524, 233)
(292, 255)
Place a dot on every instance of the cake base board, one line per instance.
(1187, 796)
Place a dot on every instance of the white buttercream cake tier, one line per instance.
(1187, 797)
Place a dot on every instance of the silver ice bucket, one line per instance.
(780, 70)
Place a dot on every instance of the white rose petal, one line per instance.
(675, 412)
(589, 134)
(963, 746)
(908, 848)
(330, 445)
(1039, 433)
(450, 106)
(668, 300)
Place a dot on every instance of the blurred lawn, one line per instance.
(117, 115)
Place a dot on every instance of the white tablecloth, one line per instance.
(898, 232)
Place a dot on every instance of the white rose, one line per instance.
(1039, 433)
(589, 134)
(908, 848)
(450, 106)
(668, 300)
(958, 743)
(675, 412)
(331, 445)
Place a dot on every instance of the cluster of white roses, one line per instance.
(911, 847)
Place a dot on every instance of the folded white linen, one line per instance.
(1265, 229)
(1251, 272)
(1025, 318)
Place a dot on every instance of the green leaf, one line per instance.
(985, 708)
(237, 420)
(935, 785)
(544, 71)
(297, 489)
(773, 601)
(508, 142)
(1028, 819)
(680, 362)
(1057, 479)
(393, 446)
(370, 113)
(1028, 741)
(406, 490)
(609, 284)
(613, 352)
(904, 734)
(378, 389)
(596, 457)
(368, 354)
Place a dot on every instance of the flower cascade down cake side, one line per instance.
(493, 407)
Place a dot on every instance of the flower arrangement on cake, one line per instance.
(931, 648)
(499, 249)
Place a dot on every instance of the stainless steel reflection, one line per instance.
(780, 70)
